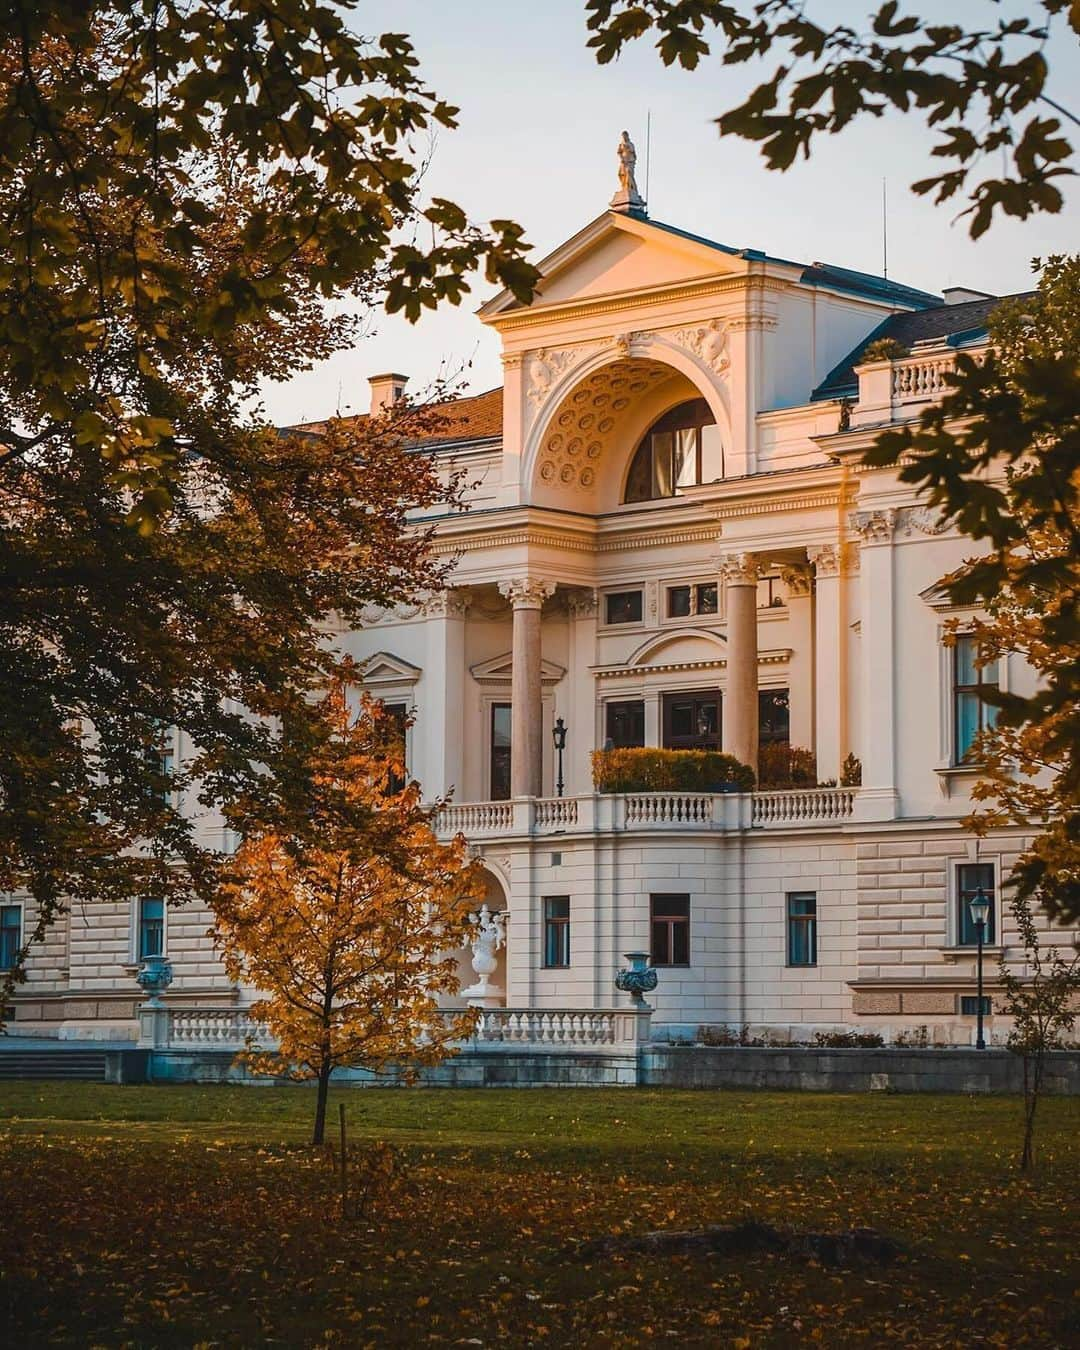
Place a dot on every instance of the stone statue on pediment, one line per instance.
(628, 198)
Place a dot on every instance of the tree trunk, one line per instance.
(1031, 1102)
(325, 1069)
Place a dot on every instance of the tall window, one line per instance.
(692, 720)
(969, 877)
(150, 937)
(399, 713)
(556, 931)
(681, 449)
(970, 713)
(10, 935)
(624, 724)
(500, 752)
(161, 758)
(802, 928)
(670, 924)
(774, 716)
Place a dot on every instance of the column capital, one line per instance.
(739, 569)
(824, 559)
(797, 579)
(526, 592)
(448, 604)
(873, 527)
(582, 604)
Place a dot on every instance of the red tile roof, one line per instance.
(477, 417)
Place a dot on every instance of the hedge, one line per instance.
(645, 769)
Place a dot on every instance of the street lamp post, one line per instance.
(558, 735)
(979, 907)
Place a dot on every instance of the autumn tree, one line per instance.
(183, 189)
(348, 933)
(1043, 1004)
(981, 89)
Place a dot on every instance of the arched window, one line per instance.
(679, 450)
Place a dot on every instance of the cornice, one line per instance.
(616, 302)
(776, 657)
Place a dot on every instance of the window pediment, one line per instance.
(498, 670)
(386, 669)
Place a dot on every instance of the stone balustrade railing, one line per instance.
(212, 1028)
(602, 813)
(803, 806)
(920, 378)
(569, 1028)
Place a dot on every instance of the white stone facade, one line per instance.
(825, 581)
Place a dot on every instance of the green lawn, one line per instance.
(199, 1216)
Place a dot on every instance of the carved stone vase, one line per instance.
(154, 977)
(639, 980)
(489, 934)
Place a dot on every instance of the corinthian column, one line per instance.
(740, 713)
(527, 596)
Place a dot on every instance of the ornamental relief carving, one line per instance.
(545, 367)
(825, 560)
(921, 520)
(739, 569)
(585, 423)
(709, 343)
(873, 527)
(526, 592)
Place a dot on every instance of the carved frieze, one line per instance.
(921, 520)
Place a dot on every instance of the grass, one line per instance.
(200, 1216)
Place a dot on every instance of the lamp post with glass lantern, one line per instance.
(558, 735)
(979, 907)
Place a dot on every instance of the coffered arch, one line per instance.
(594, 411)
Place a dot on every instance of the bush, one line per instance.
(842, 1040)
(783, 765)
(644, 769)
(851, 772)
(883, 349)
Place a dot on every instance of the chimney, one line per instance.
(961, 295)
(386, 390)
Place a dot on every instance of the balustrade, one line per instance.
(216, 1028)
(669, 808)
(803, 806)
(921, 379)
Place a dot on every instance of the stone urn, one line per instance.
(489, 934)
(154, 977)
(640, 979)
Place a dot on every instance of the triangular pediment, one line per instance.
(619, 253)
(385, 668)
(499, 670)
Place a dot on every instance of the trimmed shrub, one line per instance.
(783, 765)
(645, 769)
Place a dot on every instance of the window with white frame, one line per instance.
(10, 935)
(149, 927)
(690, 600)
(970, 683)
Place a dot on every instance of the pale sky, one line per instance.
(536, 143)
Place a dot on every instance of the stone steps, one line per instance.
(85, 1065)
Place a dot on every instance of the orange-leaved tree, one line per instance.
(347, 931)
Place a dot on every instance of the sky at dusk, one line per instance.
(538, 128)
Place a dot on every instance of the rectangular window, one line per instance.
(10, 935)
(670, 925)
(774, 716)
(802, 928)
(161, 759)
(969, 1005)
(500, 751)
(151, 933)
(624, 724)
(556, 931)
(970, 878)
(970, 713)
(770, 593)
(683, 601)
(692, 721)
(622, 607)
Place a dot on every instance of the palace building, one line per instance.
(671, 541)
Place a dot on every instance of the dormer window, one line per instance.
(681, 449)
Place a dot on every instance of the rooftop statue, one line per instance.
(628, 198)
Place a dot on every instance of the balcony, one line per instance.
(649, 812)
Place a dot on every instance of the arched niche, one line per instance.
(495, 899)
(581, 441)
